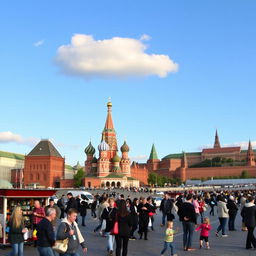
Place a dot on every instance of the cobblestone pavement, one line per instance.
(234, 244)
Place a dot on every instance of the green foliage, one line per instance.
(160, 180)
(78, 178)
(245, 174)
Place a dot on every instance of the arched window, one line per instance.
(38, 176)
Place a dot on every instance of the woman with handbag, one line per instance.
(124, 223)
(69, 229)
(17, 231)
(109, 215)
(152, 212)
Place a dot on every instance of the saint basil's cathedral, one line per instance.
(109, 169)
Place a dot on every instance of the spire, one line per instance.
(153, 154)
(109, 134)
(184, 163)
(217, 141)
(250, 155)
(109, 126)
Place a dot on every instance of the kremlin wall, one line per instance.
(45, 166)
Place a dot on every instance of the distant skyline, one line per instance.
(175, 71)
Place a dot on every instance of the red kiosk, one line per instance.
(9, 198)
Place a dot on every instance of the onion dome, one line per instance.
(125, 147)
(94, 160)
(116, 159)
(89, 150)
(103, 146)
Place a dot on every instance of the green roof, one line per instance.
(130, 178)
(153, 154)
(12, 155)
(245, 151)
(115, 175)
(180, 155)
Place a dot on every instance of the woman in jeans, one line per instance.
(124, 229)
(17, 230)
(222, 212)
(109, 214)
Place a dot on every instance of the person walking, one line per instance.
(188, 217)
(93, 207)
(249, 218)
(69, 229)
(83, 211)
(143, 209)
(212, 205)
(61, 205)
(16, 233)
(168, 242)
(222, 212)
(135, 217)
(58, 212)
(71, 203)
(166, 208)
(45, 234)
(232, 211)
(205, 228)
(124, 229)
(109, 215)
(103, 204)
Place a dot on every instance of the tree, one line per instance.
(78, 178)
(245, 174)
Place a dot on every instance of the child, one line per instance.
(204, 235)
(169, 239)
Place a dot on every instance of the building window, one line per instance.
(45, 166)
(40, 167)
(38, 176)
(31, 176)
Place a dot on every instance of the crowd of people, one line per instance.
(119, 218)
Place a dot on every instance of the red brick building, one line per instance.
(44, 165)
(232, 162)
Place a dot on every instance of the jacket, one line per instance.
(205, 229)
(124, 225)
(74, 240)
(187, 211)
(222, 210)
(15, 234)
(166, 205)
(249, 214)
(45, 233)
(232, 207)
(71, 203)
(101, 207)
(109, 214)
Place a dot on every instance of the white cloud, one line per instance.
(139, 158)
(145, 37)
(116, 57)
(8, 137)
(39, 43)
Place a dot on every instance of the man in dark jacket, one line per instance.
(249, 218)
(166, 208)
(232, 211)
(45, 234)
(71, 203)
(188, 217)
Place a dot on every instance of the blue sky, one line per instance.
(212, 42)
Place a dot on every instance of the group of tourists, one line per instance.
(119, 218)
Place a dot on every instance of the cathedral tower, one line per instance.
(217, 141)
(125, 161)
